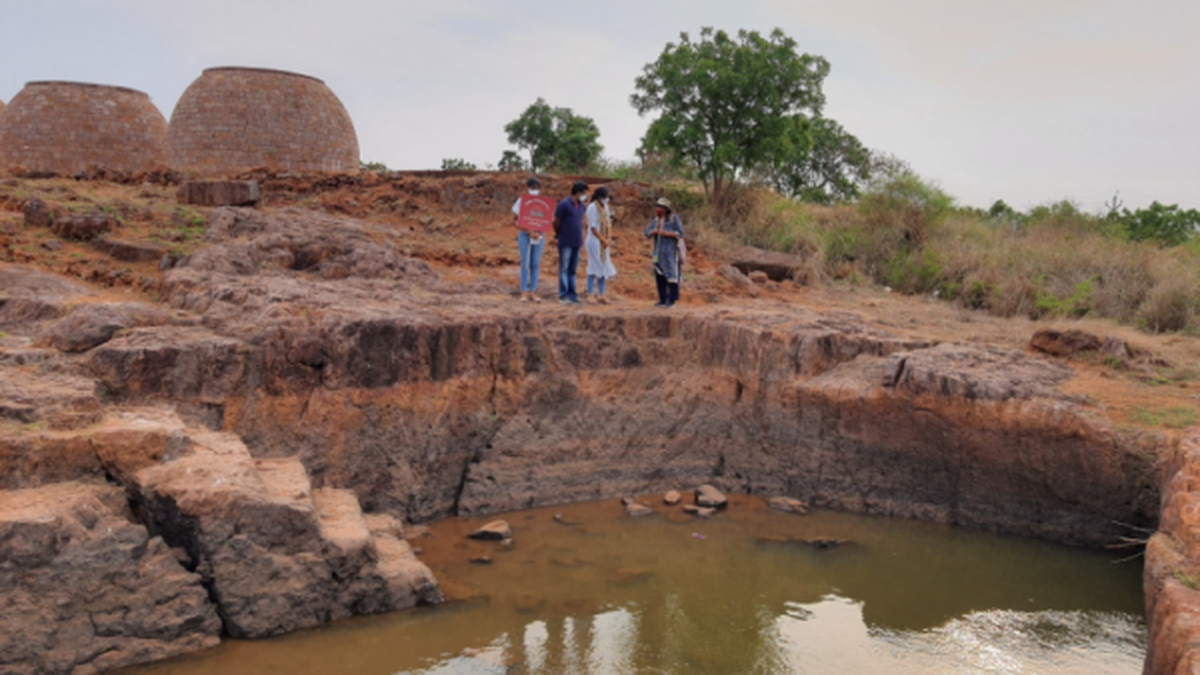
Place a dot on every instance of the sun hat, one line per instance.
(663, 202)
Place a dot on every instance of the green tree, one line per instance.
(555, 137)
(512, 162)
(457, 164)
(728, 105)
(1168, 225)
(819, 161)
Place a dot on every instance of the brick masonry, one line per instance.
(234, 119)
(69, 127)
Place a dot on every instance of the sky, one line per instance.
(1030, 101)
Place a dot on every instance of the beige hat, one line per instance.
(663, 202)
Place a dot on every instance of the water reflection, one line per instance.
(615, 595)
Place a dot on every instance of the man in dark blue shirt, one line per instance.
(568, 229)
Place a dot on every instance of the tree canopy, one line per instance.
(729, 105)
(819, 161)
(554, 137)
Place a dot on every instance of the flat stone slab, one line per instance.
(129, 251)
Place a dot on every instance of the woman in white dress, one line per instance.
(599, 245)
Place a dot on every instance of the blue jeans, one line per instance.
(595, 281)
(531, 260)
(568, 267)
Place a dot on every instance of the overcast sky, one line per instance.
(1030, 101)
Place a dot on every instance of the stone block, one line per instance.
(220, 193)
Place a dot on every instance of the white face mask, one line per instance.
(582, 198)
(606, 200)
(535, 192)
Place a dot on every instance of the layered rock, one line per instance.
(277, 555)
(1172, 576)
(82, 588)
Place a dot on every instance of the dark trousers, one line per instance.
(568, 265)
(668, 292)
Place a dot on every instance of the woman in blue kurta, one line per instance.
(667, 233)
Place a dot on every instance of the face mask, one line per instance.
(606, 200)
(582, 198)
(535, 192)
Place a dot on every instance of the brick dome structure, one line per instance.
(233, 119)
(68, 127)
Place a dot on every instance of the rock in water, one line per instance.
(710, 497)
(788, 505)
(672, 498)
(497, 530)
(638, 510)
(700, 511)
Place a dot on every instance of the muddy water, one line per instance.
(596, 592)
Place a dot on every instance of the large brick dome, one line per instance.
(67, 127)
(233, 119)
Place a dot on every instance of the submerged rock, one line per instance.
(823, 543)
(788, 505)
(497, 530)
(638, 510)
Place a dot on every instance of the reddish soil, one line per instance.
(461, 225)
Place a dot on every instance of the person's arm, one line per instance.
(651, 228)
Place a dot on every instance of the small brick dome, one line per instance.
(68, 127)
(234, 119)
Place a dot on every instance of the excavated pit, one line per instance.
(372, 379)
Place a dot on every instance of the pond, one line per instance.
(586, 589)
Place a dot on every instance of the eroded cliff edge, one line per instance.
(325, 388)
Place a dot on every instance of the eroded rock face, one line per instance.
(1172, 572)
(277, 555)
(82, 588)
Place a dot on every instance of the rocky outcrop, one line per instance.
(277, 555)
(1172, 571)
(83, 589)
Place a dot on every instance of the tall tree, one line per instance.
(727, 105)
(555, 137)
(820, 162)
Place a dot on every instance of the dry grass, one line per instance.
(1058, 262)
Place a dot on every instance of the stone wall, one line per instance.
(234, 119)
(68, 127)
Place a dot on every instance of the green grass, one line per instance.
(1171, 418)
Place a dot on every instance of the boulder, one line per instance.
(1115, 348)
(672, 498)
(788, 505)
(40, 214)
(738, 279)
(497, 530)
(699, 511)
(220, 193)
(759, 277)
(710, 497)
(776, 266)
(1064, 343)
(83, 226)
(88, 326)
(82, 588)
